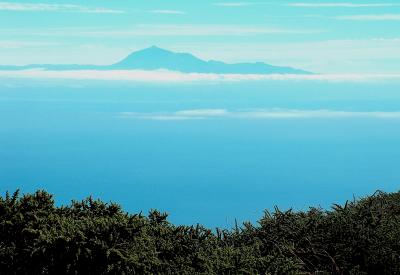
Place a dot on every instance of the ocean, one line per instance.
(208, 153)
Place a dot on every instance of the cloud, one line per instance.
(342, 5)
(232, 4)
(202, 114)
(164, 76)
(370, 17)
(168, 12)
(41, 7)
(179, 115)
(200, 30)
(17, 44)
(150, 30)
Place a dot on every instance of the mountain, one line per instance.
(155, 58)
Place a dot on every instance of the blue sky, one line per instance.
(321, 36)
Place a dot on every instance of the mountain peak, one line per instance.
(152, 50)
(154, 58)
(154, 47)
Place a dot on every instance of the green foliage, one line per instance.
(92, 237)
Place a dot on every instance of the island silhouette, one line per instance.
(155, 58)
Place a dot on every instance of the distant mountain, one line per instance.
(155, 58)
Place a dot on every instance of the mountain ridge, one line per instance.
(155, 58)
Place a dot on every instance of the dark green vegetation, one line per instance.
(91, 237)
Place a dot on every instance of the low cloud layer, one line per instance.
(41, 7)
(168, 12)
(342, 5)
(232, 4)
(203, 114)
(178, 77)
(370, 17)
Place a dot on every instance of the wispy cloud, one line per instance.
(179, 115)
(163, 30)
(42, 7)
(177, 12)
(370, 17)
(232, 4)
(16, 44)
(203, 114)
(164, 76)
(342, 5)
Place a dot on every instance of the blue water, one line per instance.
(69, 140)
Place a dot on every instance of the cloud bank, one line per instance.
(342, 5)
(168, 12)
(41, 7)
(158, 30)
(370, 17)
(164, 76)
(232, 4)
(18, 44)
(203, 114)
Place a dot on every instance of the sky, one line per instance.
(320, 36)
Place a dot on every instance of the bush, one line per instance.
(92, 237)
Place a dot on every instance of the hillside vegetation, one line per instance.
(93, 237)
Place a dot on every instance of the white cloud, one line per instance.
(8, 6)
(164, 76)
(149, 30)
(342, 5)
(386, 39)
(232, 4)
(17, 44)
(370, 17)
(195, 114)
(201, 114)
(168, 12)
(199, 30)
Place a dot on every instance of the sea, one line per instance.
(215, 153)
